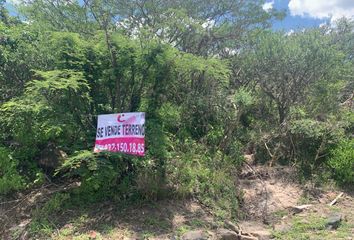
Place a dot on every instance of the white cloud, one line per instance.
(210, 23)
(14, 1)
(268, 6)
(322, 25)
(320, 9)
(290, 32)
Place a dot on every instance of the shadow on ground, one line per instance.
(164, 219)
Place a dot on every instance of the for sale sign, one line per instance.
(121, 132)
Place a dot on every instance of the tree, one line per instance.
(68, 16)
(20, 52)
(343, 38)
(53, 109)
(194, 26)
(286, 67)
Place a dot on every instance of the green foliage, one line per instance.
(213, 80)
(148, 184)
(68, 50)
(54, 204)
(243, 98)
(50, 110)
(171, 115)
(311, 142)
(342, 162)
(48, 15)
(284, 67)
(41, 224)
(98, 173)
(316, 130)
(192, 171)
(313, 227)
(21, 51)
(10, 179)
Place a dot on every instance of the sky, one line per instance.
(309, 13)
(302, 13)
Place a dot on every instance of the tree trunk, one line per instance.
(282, 111)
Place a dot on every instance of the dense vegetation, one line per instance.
(214, 79)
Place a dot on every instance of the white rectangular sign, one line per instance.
(121, 132)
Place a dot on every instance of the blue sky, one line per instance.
(310, 13)
(10, 8)
(301, 13)
(293, 22)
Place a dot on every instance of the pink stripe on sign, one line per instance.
(128, 145)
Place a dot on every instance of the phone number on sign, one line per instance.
(123, 147)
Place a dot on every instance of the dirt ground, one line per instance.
(270, 195)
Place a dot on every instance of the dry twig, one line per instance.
(336, 199)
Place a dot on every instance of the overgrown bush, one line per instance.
(313, 136)
(10, 179)
(148, 183)
(101, 175)
(310, 141)
(190, 171)
(342, 162)
(209, 94)
(305, 143)
(50, 110)
(211, 178)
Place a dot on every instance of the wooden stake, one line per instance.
(336, 199)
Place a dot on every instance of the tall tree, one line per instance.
(194, 26)
(199, 27)
(20, 52)
(286, 66)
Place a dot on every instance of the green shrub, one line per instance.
(94, 171)
(148, 183)
(342, 162)
(310, 141)
(209, 177)
(308, 135)
(99, 173)
(50, 110)
(10, 179)
(171, 115)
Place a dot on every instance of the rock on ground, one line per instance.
(334, 221)
(225, 234)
